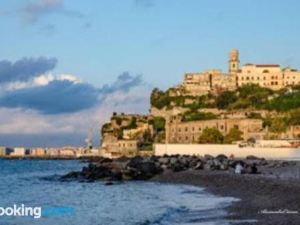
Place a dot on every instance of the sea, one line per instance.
(35, 184)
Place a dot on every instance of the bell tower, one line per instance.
(234, 61)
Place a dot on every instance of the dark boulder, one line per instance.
(221, 157)
(208, 157)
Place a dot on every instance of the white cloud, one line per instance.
(41, 80)
(27, 122)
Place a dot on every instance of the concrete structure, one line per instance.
(266, 75)
(20, 151)
(189, 132)
(287, 153)
(2, 151)
(38, 152)
(119, 148)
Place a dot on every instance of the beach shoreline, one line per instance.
(265, 198)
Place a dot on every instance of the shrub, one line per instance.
(234, 134)
(211, 136)
(225, 99)
(195, 115)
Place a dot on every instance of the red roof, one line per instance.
(267, 65)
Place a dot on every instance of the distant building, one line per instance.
(2, 151)
(38, 152)
(189, 132)
(20, 151)
(265, 75)
(120, 137)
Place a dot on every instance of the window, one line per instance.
(266, 71)
(186, 129)
(186, 138)
(257, 78)
(247, 78)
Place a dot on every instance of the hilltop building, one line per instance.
(266, 75)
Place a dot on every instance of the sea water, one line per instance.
(35, 183)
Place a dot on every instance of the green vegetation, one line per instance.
(225, 99)
(211, 136)
(278, 125)
(233, 135)
(214, 136)
(284, 102)
(132, 124)
(158, 123)
(160, 99)
(250, 96)
(195, 115)
(145, 146)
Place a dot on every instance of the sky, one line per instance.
(66, 65)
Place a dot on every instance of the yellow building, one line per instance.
(266, 75)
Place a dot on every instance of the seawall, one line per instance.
(283, 153)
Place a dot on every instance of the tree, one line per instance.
(294, 117)
(278, 125)
(234, 134)
(225, 99)
(158, 123)
(212, 136)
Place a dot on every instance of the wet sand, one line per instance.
(270, 198)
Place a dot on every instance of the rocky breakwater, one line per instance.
(144, 168)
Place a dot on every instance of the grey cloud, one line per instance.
(56, 97)
(63, 96)
(25, 68)
(123, 83)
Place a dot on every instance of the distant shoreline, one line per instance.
(46, 157)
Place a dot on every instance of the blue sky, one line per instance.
(160, 39)
(96, 41)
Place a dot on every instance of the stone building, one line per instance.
(266, 75)
(120, 137)
(189, 132)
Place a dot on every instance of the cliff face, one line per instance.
(257, 112)
(128, 134)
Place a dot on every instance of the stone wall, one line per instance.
(228, 150)
(189, 132)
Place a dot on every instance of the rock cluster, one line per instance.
(144, 168)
